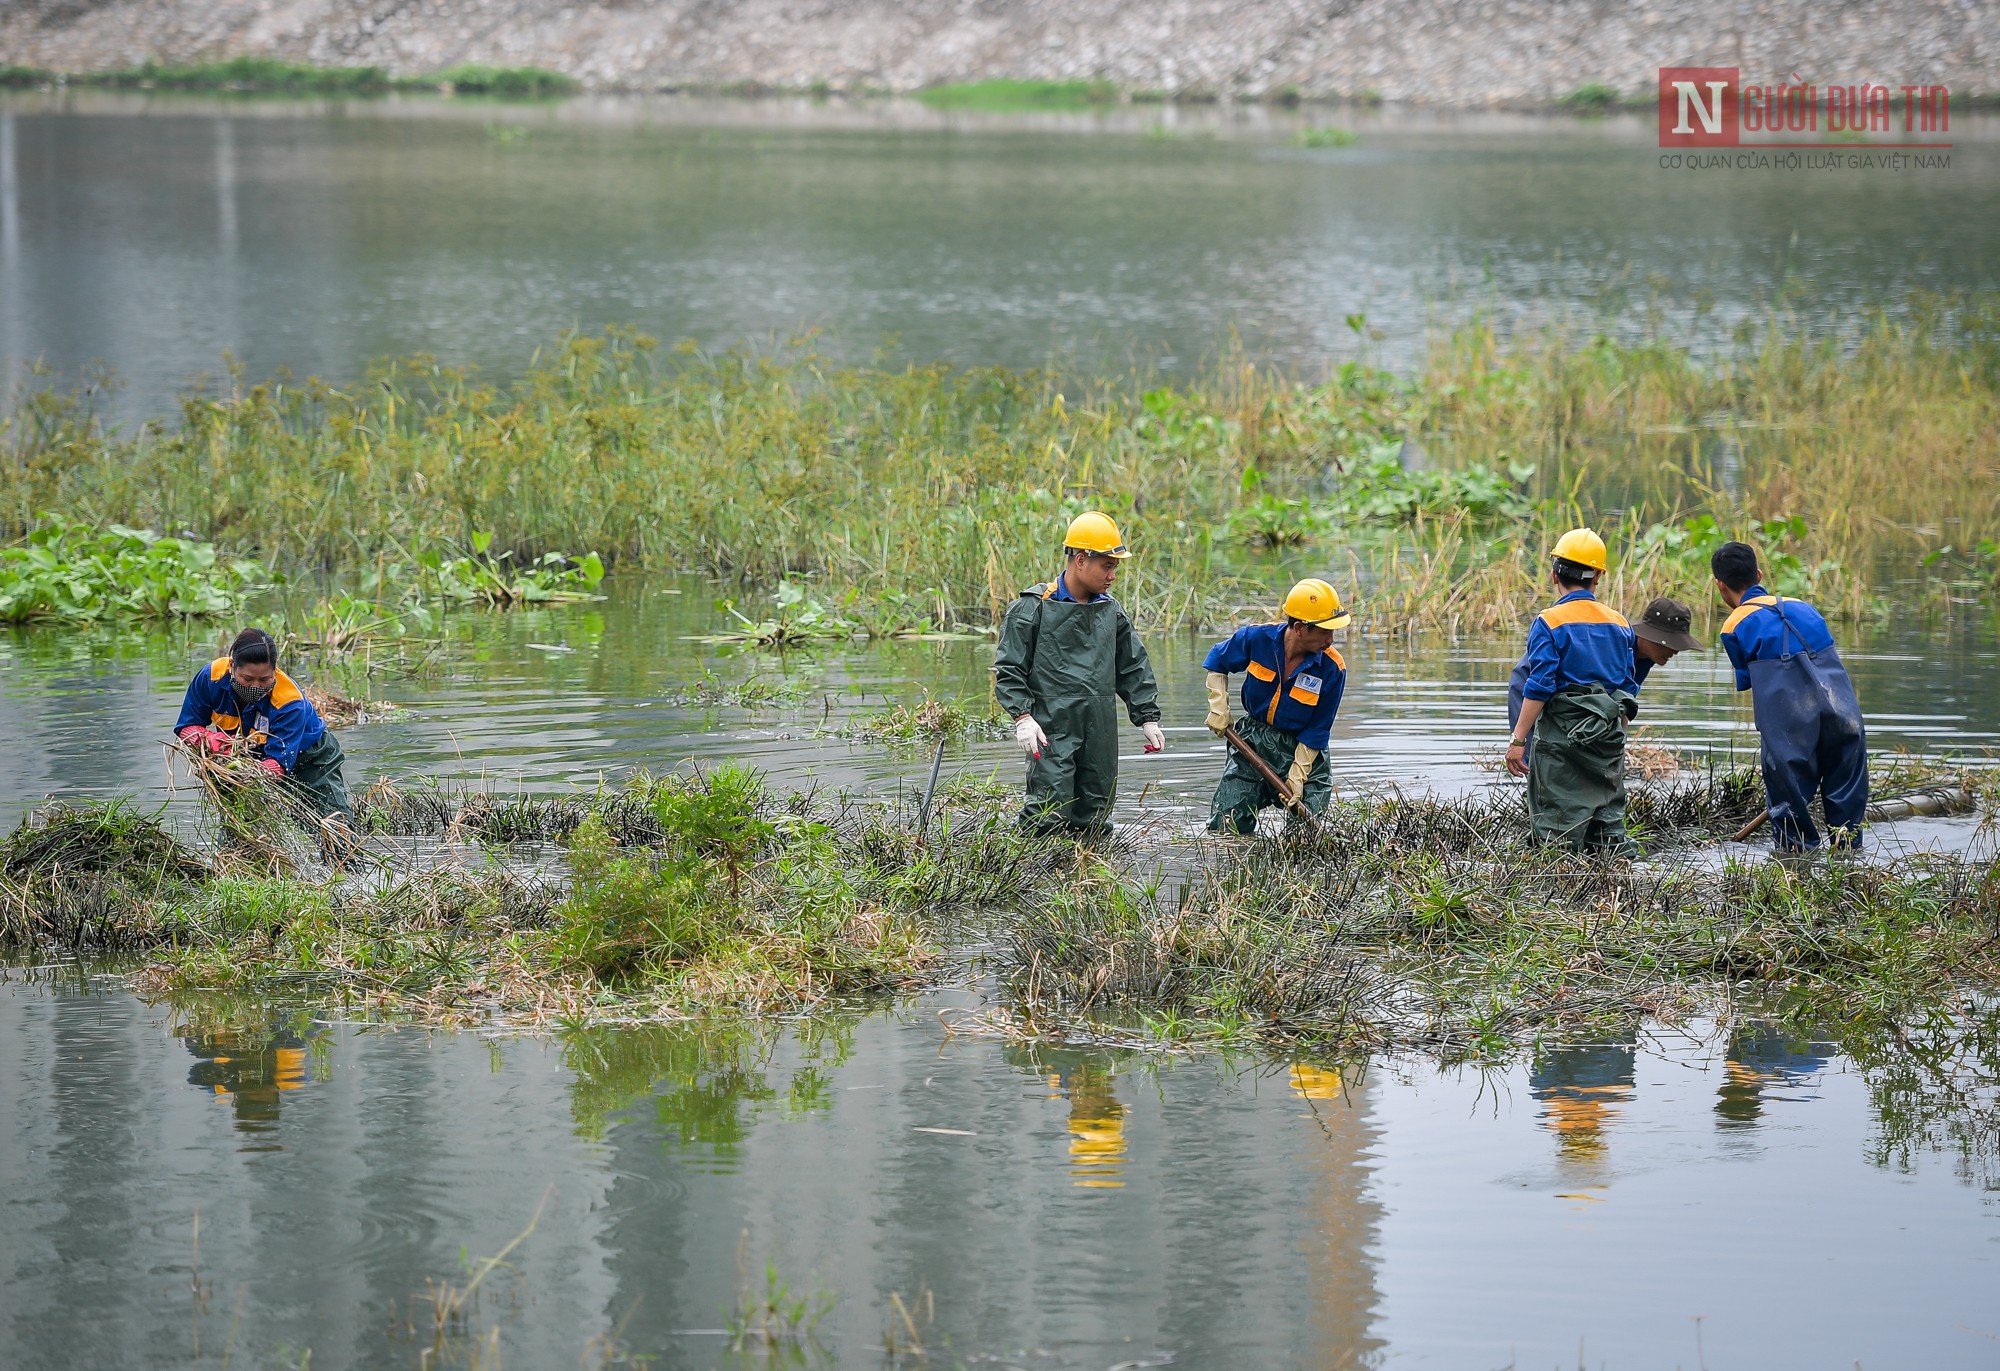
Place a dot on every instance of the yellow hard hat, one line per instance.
(1094, 532)
(1314, 602)
(1582, 546)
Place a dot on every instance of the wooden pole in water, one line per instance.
(1923, 802)
(1263, 768)
(924, 814)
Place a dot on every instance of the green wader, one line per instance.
(1576, 772)
(316, 778)
(1242, 792)
(1068, 665)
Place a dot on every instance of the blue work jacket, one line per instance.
(1578, 642)
(1755, 633)
(1303, 706)
(281, 725)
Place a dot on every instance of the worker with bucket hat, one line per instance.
(1580, 679)
(1292, 683)
(1067, 654)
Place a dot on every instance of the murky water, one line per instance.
(1718, 1199)
(561, 697)
(1676, 1201)
(159, 234)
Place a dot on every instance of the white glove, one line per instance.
(1029, 736)
(1156, 741)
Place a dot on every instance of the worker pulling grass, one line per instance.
(1580, 680)
(1067, 652)
(1808, 718)
(1660, 636)
(243, 705)
(1292, 683)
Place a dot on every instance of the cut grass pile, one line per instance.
(922, 499)
(1409, 923)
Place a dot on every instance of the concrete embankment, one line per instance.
(1443, 52)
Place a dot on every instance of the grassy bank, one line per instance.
(1406, 924)
(274, 76)
(925, 496)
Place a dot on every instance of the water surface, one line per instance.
(158, 235)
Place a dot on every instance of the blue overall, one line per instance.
(1808, 718)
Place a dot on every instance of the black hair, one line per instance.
(1575, 574)
(253, 647)
(1735, 565)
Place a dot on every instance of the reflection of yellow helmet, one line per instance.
(1582, 546)
(1314, 602)
(1317, 1083)
(1094, 532)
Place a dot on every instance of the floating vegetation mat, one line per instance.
(1402, 922)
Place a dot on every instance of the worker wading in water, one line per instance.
(1807, 715)
(1579, 682)
(244, 697)
(1659, 637)
(1067, 653)
(1292, 684)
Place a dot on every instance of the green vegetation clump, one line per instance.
(790, 471)
(1591, 98)
(521, 83)
(1005, 93)
(1320, 136)
(1441, 928)
(18, 77)
(65, 572)
(261, 74)
(78, 876)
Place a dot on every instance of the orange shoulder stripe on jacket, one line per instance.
(1746, 609)
(218, 668)
(1338, 660)
(1582, 612)
(285, 691)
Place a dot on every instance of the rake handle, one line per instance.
(1263, 768)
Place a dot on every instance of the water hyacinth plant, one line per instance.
(63, 571)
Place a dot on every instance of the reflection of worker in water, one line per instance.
(251, 1069)
(1760, 1057)
(1579, 1089)
(1096, 1124)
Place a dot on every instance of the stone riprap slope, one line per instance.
(1448, 52)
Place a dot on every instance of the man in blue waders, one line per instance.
(1292, 684)
(1803, 701)
(244, 701)
(1067, 655)
(1579, 682)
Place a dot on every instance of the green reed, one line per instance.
(931, 495)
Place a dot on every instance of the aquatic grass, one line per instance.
(517, 83)
(1007, 93)
(930, 721)
(767, 471)
(80, 875)
(260, 74)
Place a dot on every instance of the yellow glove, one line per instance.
(1303, 758)
(1218, 702)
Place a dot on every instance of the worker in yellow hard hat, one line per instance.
(1292, 683)
(1067, 653)
(1579, 681)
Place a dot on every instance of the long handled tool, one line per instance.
(924, 814)
(1263, 768)
(1922, 802)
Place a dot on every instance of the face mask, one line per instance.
(245, 696)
